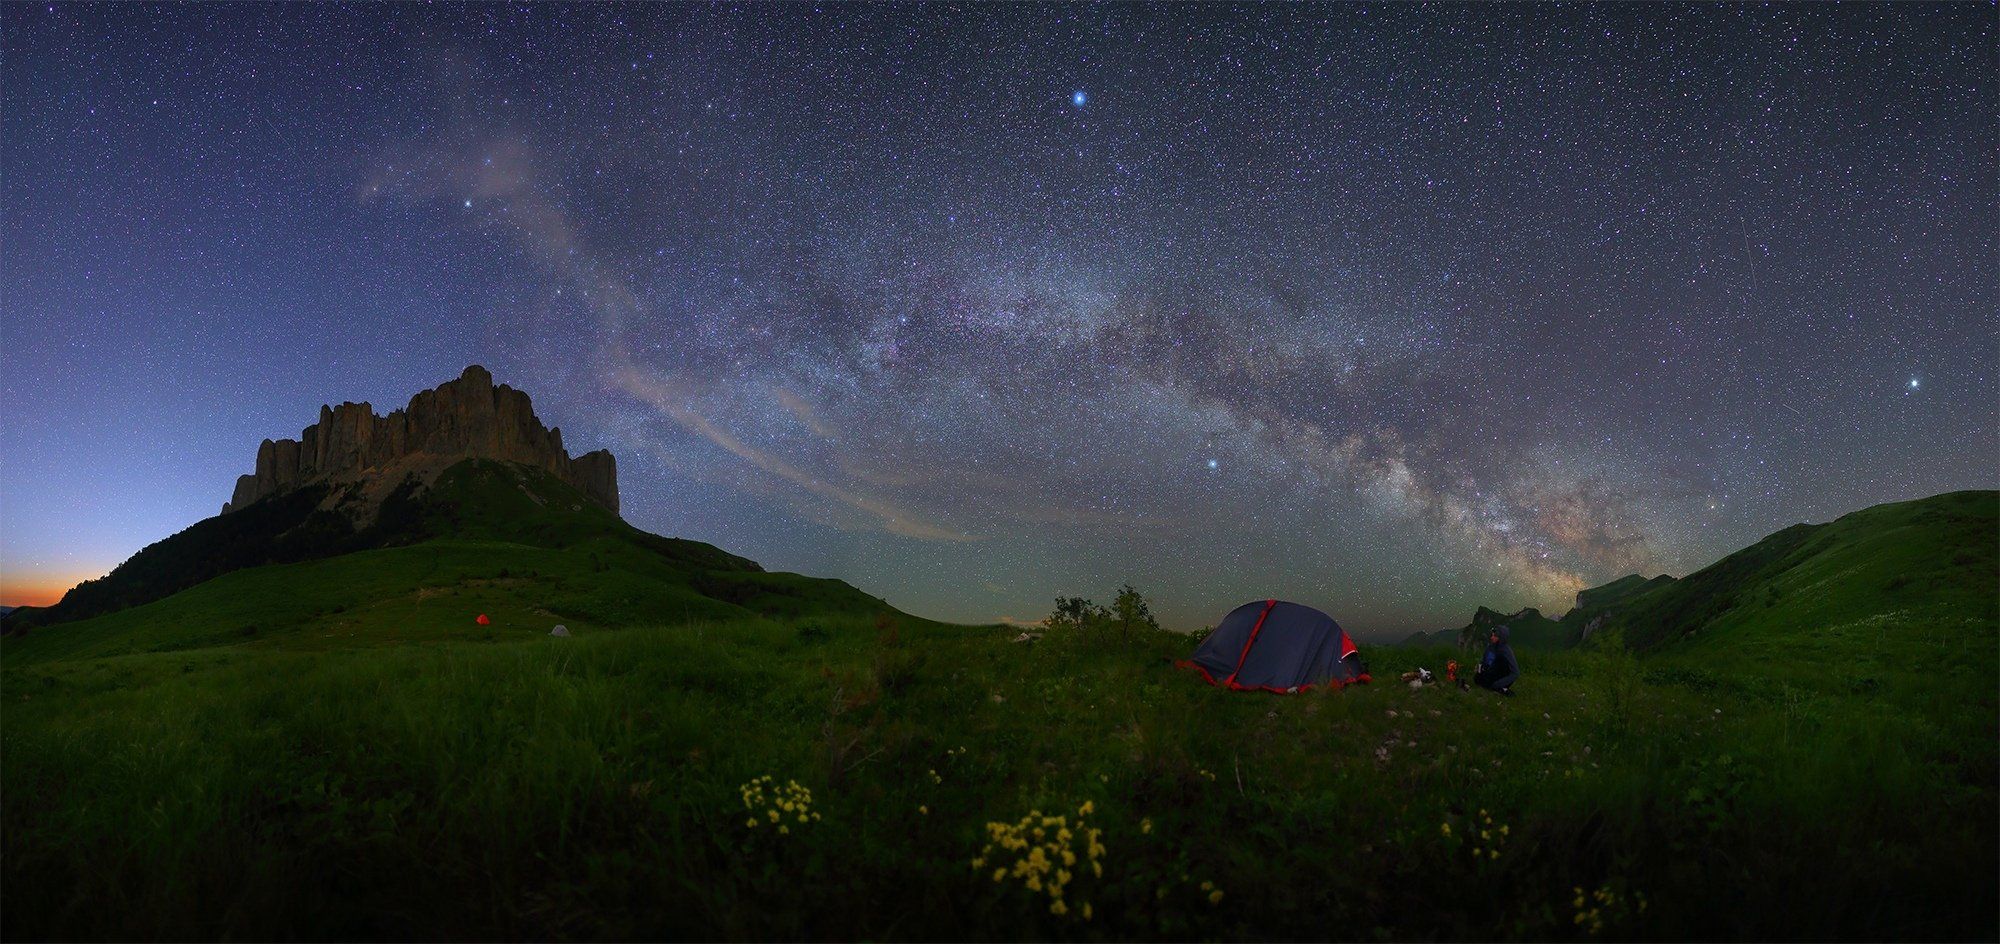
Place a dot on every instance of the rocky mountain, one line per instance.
(355, 481)
(467, 418)
(1527, 627)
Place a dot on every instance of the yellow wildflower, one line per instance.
(1145, 827)
(924, 810)
(1215, 897)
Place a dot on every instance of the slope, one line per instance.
(507, 540)
(1931, 561)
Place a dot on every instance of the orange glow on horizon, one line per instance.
(37, 589)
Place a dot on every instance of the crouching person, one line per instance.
(1498, 670)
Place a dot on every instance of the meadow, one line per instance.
(516, 785)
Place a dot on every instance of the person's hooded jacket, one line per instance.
(1499, 659)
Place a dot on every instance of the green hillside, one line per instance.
(509, 541)
(332, 749)
(1598, 599)
(1896, 565)
(1928, 562)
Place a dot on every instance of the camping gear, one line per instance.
(1281, 647)
(560, 630)
(1451, 670)
(483, 621)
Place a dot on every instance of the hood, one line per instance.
(1502, 632)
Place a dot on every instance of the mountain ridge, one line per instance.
(467, 418)
(1912, 548)
(466, 461)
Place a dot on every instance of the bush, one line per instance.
(1077, 617)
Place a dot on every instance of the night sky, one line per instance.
(1390, 310)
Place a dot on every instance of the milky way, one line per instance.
(1390, 310)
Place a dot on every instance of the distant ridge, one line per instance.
(467, 418)
(1885, 562)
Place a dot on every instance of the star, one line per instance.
(846, 325)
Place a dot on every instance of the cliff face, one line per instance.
(467, 418)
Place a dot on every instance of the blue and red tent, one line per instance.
(1275, 646)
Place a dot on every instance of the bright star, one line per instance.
(1913, 383)
(1212, 464)
(1077, 98)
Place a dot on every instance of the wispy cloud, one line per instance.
(662, 394)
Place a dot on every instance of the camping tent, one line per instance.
(1274, 646)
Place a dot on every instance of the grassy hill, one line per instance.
(506, 540)
(1905, 563)
(368, 763)
(1899, 563)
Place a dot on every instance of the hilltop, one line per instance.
(1893, 563)
(462, 500)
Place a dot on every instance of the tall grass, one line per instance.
(588, 787)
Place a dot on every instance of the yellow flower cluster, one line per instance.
(766, 801)
(1045, 854)
(1205, 772)
(1214, 893)
(1491, 835)
(1605, 905)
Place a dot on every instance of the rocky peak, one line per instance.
(467, 418)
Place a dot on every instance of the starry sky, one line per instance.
(1391, 310)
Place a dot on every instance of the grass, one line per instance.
(588, 788)
(387, 769)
